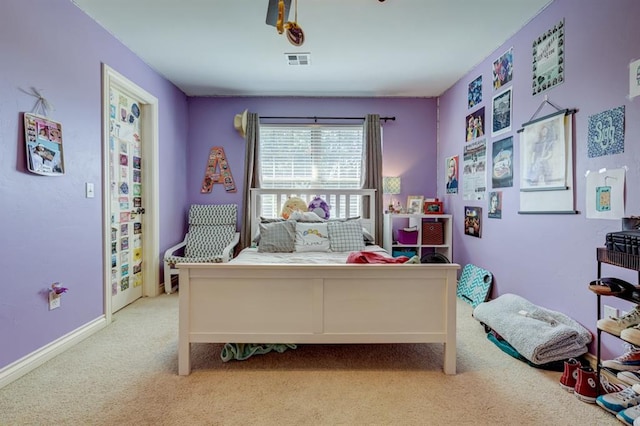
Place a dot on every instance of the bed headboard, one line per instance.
(343, 203)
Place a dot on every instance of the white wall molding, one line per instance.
(38, 357)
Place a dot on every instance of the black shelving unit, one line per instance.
(622, 260)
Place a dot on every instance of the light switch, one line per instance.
(89, 190)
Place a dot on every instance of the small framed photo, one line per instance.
(43, 140)
(415, 203)
(433, 207)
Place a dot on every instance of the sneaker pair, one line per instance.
(629, 377)
(588, 387)
(618, 401)
(616, 325)
(628, 416)
(631, 334)
(583, 381)
(629, 361)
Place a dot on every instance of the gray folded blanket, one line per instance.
(242, 351)
(538, 334)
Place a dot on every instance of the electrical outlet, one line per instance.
(54, 301)
(610, 312)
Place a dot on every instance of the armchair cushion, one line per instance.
(207, 240)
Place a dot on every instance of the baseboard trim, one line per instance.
(593, 362)
(38, 357)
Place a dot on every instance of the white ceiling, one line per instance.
(413, 48)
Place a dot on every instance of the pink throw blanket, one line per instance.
(372, 257)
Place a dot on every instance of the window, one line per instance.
(310, 156)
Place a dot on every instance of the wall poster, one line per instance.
(546, 165)
(473, 221)
(474, 182)
(43, 138)
(502, 105)
(548, 59)
(634, 79)
(502, 170)
(474, 94)
(503, 69)
(605, 194)
(606, 133)
(475, 126)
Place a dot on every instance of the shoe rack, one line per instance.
(622, 260)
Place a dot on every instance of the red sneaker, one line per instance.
(570, 374)
(586, 389)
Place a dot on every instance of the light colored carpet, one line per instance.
(126, 374)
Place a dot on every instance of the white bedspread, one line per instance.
(250, 256)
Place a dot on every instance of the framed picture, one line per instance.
(415, 203)
(548, 59)
(433, 207)
(501, 122)
(43, 140)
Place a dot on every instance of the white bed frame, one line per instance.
(305, 304)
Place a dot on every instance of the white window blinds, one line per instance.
(311, 156)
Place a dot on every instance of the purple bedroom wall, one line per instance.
(51, 232)
(409, 142)
(550, 259)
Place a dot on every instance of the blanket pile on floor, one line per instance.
(540, 335)
(242, 351)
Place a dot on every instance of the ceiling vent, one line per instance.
(298, 58)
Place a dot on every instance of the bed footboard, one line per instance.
(304, 304)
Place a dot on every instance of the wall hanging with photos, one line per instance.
(43, 138)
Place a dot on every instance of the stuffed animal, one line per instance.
(291, 205)
(320, 207)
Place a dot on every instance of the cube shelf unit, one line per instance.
(395, 221)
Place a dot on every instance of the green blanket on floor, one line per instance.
(242, 351)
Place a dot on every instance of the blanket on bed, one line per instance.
(540, 335)
(374, 257)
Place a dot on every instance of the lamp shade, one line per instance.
(391, 185)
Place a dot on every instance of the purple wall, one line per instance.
(550, 259)
(51, 232)
(409, 141)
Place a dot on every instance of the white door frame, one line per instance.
(150, 185)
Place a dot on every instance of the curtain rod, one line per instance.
(315, 119)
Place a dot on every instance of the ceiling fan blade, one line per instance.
(272, 12)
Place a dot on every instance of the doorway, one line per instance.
(130, 191)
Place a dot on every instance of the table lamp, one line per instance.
(391, 186)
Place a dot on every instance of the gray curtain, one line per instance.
(373, 167)
(252, 136)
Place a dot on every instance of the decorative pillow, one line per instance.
(291, 205)
(305, 216)
(312, 236)
(320, 207)
(368, 238)
(277, 237)
(346, 236)
(271, 219)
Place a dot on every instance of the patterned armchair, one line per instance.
(211, 238)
